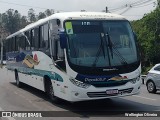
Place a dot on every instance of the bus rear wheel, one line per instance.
(18, 83)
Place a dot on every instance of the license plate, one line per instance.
(110, 92)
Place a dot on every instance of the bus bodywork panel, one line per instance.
(86, 77)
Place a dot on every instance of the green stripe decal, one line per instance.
(42, 73)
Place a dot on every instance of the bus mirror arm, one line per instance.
(135, 36)
(26, 39)
(63, 40)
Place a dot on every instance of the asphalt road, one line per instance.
(31, 99)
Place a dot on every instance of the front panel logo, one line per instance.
(31, 62)
(94, 79)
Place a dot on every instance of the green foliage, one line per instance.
(13, 21)
(148, 34)
(146, 69)
(41, 15)
(49, 12)
(31, 15)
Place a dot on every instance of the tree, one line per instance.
(41, 15)
(44, 14)
(49, 12)
(0, 19)
(148, 33)
(24, 21)
(31, 15)
(11, 20)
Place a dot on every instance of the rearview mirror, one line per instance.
(22, 34)
(63, 40)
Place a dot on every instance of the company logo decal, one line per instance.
(95, 79)
(118, 78)
(31, 62)
(35, 57)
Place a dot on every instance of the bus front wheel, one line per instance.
(50, 90)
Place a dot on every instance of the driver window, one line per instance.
(57, 52)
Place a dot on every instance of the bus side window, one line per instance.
(12, 44)
(6, 45)
(22, 44)
(44, 41)
(36, 38)
(46, 36)
(9, 45)
(28, 34)
(41, 36)
(31, 34)
(53, 34)
(16, 43)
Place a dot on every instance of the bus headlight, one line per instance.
(79, 83)
(134, 80)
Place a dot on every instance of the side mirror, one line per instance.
(22, 34)
(63, 40)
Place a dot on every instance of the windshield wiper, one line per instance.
(101, 47)
(110, 44)
(114, 50)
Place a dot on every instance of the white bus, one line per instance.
(77, 56)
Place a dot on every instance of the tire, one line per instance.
(50, 91)
(18, 83)
(151, 87)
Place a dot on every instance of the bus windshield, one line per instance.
(100, 43)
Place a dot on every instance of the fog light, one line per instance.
(76, 94)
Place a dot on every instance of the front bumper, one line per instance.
(93, 93)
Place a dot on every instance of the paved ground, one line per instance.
(30, 99)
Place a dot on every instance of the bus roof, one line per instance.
(70, 15)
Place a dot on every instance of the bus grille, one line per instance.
(103, 94)
(110, 83)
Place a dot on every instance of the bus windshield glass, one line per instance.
(100, 43)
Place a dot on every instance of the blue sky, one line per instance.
(77, 5)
